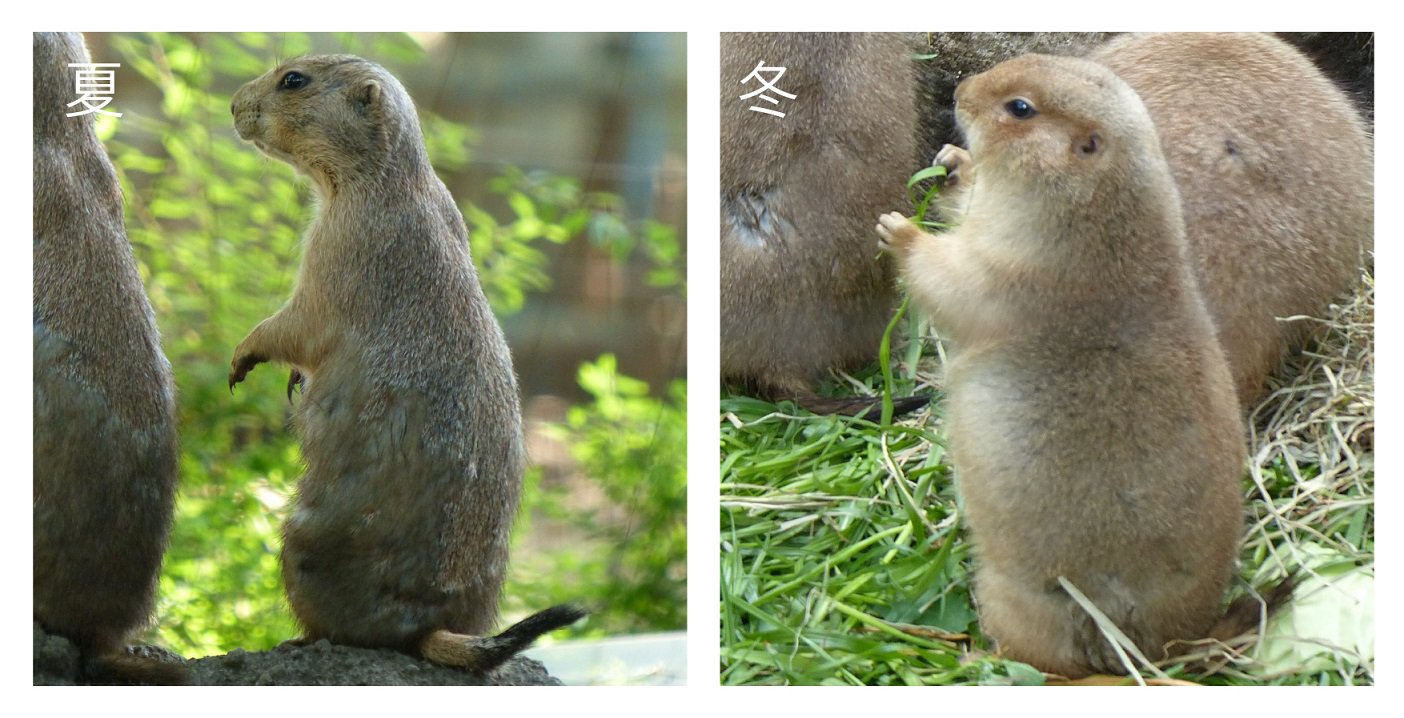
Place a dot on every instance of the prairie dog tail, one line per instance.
(479, 654)
(1244, 614)
(133, 668)
(862, 407)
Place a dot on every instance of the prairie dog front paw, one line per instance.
(957, 163)
(960, 178)
(244, 362)
(896, 234)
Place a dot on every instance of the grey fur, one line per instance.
(105, 447)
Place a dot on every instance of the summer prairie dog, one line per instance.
(1275, 173)
(105, 447)
(801, 289)
(410, 419)
(1091, 414)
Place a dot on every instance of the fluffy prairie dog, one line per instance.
(802, 291)
(410, 419)
(105, 448)
(1091, 415)
(1276, 178)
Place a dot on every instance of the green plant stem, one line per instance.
(884, 359)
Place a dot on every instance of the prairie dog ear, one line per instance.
(367, 95)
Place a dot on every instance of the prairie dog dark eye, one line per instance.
(293, 81)
(1020, 109)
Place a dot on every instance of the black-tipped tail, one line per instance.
(1246, 612)
(523, 632)
(480, 655)
(129, 668)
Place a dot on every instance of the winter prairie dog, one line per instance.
(410, 419)
(801, 290)
(105, 448)
(1276, 178)
(1091, 414)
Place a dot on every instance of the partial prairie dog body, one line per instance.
(410, 418)
(802, 292)
(1275, 172)
(1091, 414)
(105, 448)
(954, 56)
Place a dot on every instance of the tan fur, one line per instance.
(1091, 415)
(802, 291)
(451, 649)
(105, 449)
(410, 418)
(1275, 172)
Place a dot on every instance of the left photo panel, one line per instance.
(360, 359)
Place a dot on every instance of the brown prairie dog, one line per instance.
(105, 448)
(1091, 415)
(802, 292)
(410, 419)
(1276, 178)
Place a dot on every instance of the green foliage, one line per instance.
(556, 209)
(629, 444)
(545, 206)
(215, 227)
(841, 551)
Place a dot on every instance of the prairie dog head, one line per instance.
(335, 118)
(1037, 120)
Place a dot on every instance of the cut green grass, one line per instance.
(843, 562)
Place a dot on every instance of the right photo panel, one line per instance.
(1047, 358)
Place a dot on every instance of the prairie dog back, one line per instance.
(801, 289)
(1275, 171)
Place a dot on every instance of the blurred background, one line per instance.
(566, 154)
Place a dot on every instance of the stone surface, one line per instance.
(56, 662)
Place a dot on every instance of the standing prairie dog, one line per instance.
(1091, 416)
(410, 419)
(105, 448)
(1276, 178)
(802, 292)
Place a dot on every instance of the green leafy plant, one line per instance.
(632, 573)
